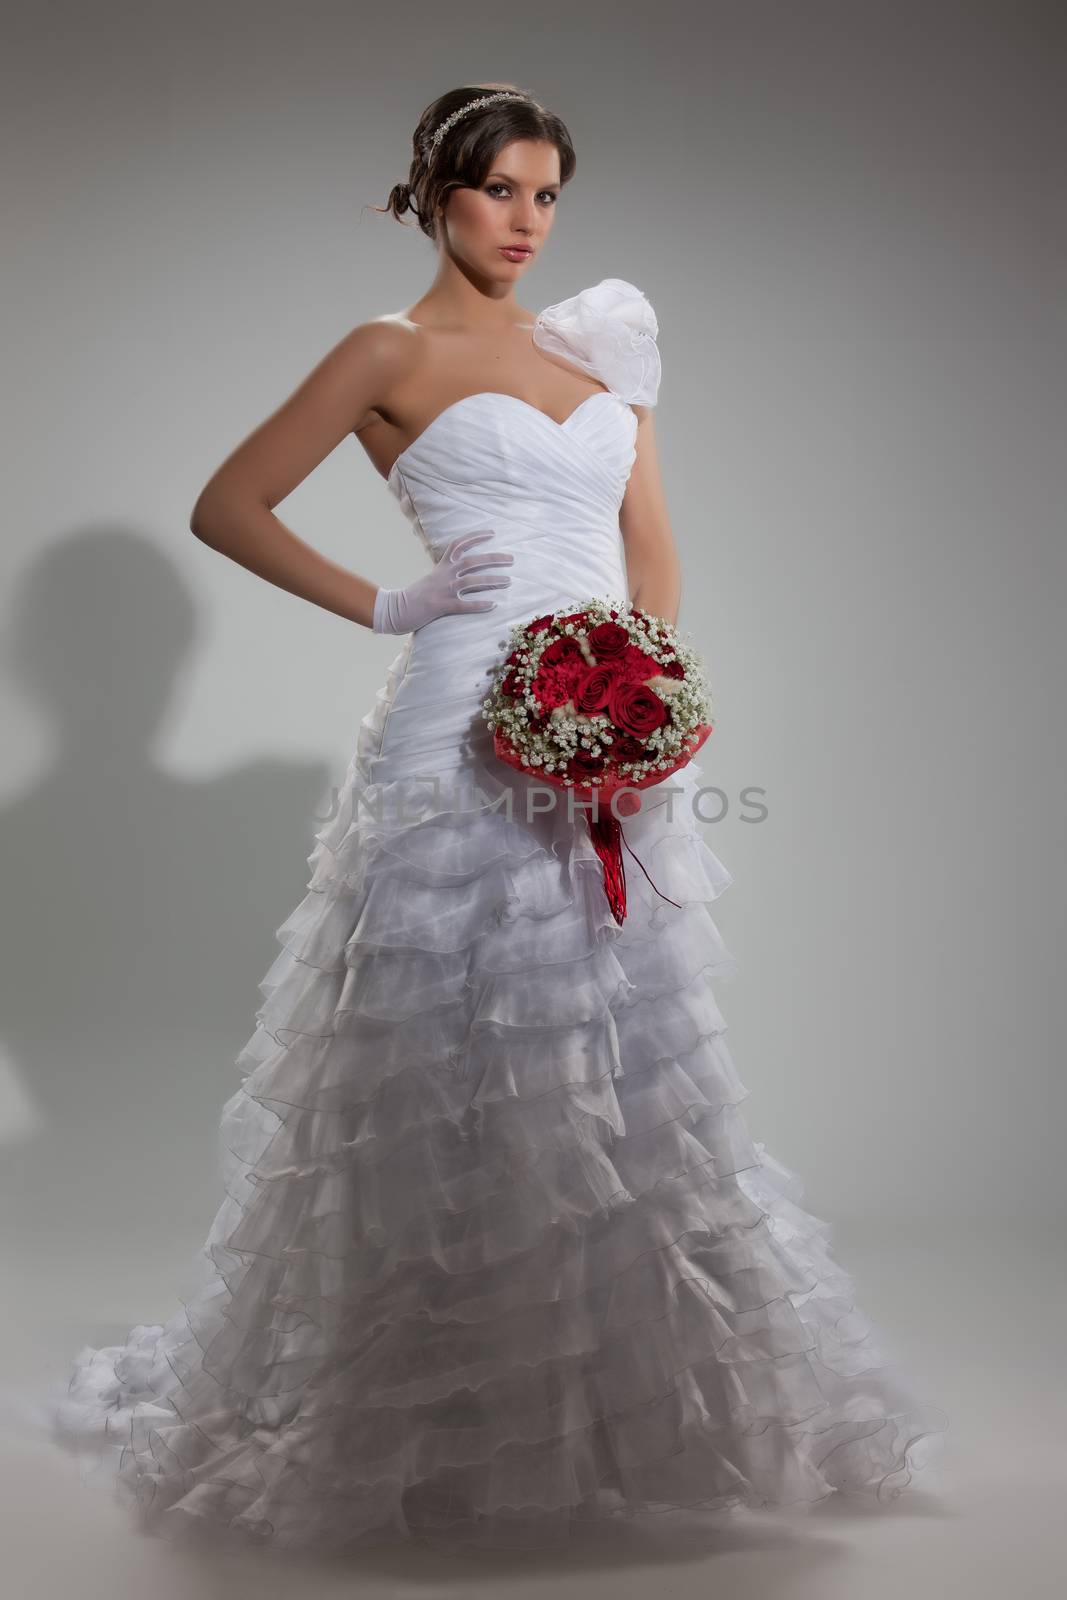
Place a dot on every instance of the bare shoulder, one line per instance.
(372, 357)
(340, 395)
(389, 337)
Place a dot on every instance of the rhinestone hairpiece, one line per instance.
(486, 100)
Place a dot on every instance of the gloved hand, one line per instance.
(439, 592)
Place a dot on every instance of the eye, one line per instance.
(549, 193)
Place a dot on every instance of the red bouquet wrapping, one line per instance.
(605, 701)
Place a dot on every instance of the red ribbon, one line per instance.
(605, 830)
(606, 834)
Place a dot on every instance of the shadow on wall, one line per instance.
(139, 907)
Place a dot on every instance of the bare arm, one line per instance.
(234, 510)
(652, 566)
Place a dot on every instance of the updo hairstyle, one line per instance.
(465, 154)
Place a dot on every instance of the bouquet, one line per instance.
(604, 701)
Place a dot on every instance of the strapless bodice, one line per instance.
(550, 492)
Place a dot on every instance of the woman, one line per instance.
(497, 1254)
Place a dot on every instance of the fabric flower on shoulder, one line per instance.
(609, 330)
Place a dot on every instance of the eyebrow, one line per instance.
(550, 185)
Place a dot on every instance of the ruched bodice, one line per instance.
(551, 493)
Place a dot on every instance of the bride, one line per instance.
(495, 1253)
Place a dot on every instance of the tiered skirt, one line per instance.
(496, 1253)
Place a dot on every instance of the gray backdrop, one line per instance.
(850, 222)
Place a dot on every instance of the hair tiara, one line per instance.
(485, 100)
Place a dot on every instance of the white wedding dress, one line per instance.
(496, 1253)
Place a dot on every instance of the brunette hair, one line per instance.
(467, 151)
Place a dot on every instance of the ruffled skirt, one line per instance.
(496, 1254)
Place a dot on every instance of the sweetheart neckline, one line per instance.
(501, 394)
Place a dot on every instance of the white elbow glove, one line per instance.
(439, 592)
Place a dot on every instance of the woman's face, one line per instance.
(515, 206)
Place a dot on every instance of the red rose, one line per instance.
(627, 748)
(608, 641)
(637, 709)
(673, 668)
(512, 684)
(560, 650)
(584, 764)
(538, 625)
(575, 616)
(593, 692)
